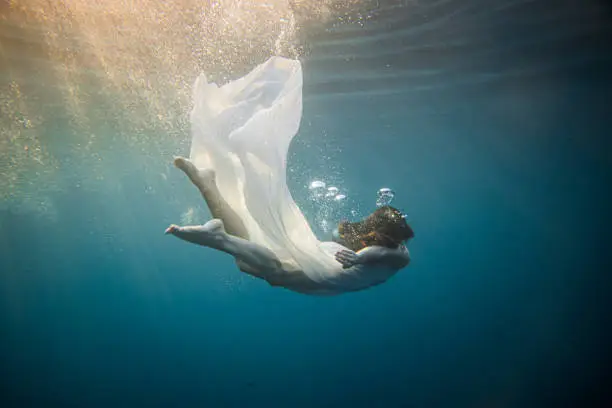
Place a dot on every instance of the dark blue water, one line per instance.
(491, 122)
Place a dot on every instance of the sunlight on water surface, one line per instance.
(80, 77)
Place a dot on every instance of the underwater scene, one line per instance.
(410, 203)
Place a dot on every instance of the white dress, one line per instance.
(242, 130)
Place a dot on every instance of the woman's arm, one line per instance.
(395, 258)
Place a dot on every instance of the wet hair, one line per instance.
(384, 227)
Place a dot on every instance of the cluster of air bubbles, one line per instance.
(329, 205)
(384, 197)
(319, 190)
(331, 192)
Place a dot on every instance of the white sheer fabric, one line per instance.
(242, 130)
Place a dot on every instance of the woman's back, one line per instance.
(357, 277)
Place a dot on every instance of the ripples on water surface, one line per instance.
(79, 78)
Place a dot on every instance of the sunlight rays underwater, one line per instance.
(115, 73)
(93, 93)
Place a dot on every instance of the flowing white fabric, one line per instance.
(242, 130)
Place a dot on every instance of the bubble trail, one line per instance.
(385, 197)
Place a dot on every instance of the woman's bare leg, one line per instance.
(254, 259)
(227, 233)
(261, 262)
(204, 180)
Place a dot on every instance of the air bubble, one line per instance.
(329, 204)
(385, 197)
(331, 191)
(317, 188)
(317, 184)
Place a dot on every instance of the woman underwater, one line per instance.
(240, 137)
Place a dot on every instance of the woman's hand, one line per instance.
(172, 229)
(347, 258)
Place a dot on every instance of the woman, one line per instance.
(240, 137)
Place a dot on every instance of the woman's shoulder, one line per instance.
(398, 257)
(400, 250)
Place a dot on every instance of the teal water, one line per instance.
(488, 119)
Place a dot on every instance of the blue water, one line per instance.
(492, 126)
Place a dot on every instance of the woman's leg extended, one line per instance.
(204, 180)
(262, 262)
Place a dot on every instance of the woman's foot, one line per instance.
(186, 165)
(200, 177)
(214, 227)
(207, 234)
(172, 229)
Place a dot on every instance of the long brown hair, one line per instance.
(384, 227)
